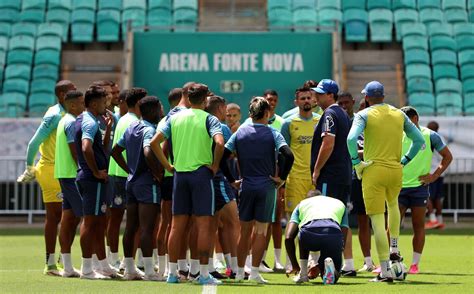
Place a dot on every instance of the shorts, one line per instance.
(50, 188)
(258, 204)
(71, 197)
(223, 192)
(167, 189)
(193, 193)
(143, 193)
(414, 197)
(117, 195)
(340, 192)
(94, 197)
(380, 184)
(436, 189)
(295, 191)
(317, 236)
(356, 197)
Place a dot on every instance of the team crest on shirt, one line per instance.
(329, 123)
(305, 139)
(60, 195)
(118, 200)
(103, 208)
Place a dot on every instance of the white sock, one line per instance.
(393, 245)
(104, 264)
(194, 266)
(241, 271)
(129, 264)
(182, 265)
(167, 263)
(155, 255)
(51, 259)
(139, 257)
(210, 264)
(264, 255)
(204, 270)
(161, 264)
(348, 265)
(228, 259)
(220, 257)
(254, 271)
(440, 218)
(385, 266)
(107, 253)
(304, 267)
(277, 253)
(233, 264)
(95, 262)
(432, 217)
(416, 258)
(149, 266)
(67, 262)
(114, 257)
(314, 256)
(248, 261)
(173, 268)
(368, 261)
(86, 267)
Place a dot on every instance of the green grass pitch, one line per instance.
(447, 265)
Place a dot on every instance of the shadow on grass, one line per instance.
(446, 274)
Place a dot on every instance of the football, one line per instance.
(399, 270)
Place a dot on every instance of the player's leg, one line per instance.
(277, 231)
(163, 234)
(116, 212)
(193, 250)
(348, 269)
(244, 243)
(128, 240)
(147, 213)
(332, 244)
(229, 233)
(418, 218)
(392, 192)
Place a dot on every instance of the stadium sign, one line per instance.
(228, 61)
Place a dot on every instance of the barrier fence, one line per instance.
(25, 199)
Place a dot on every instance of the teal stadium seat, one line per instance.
(50, 29)
(61, 17)
(89, 4)
(5, 29)
(137, 19)
(304, 4)
(3, 57)
(402, 4)
(413, 29)
(467, 71)
(422, 4)
(417, 71)
(453, 4)
(48, 56)
(189, 4)
(39, 103)
(108, 25)
(353, 4)
(46, 71)
(442, 42)
(305, 20)
(13, 4)
(415, 42)
(449, 104)
(443, 56)
(423, 102)
(465, 43)
(455, 16)
(35, 16)
(468, 86)
(60, 4)
(463, 30)
(403, 17)
(355, 25)
(413, 56)
(429, 16)
(381, 22)
(33, 4)
(419, 85)
(24, 29)
(329, 4)
(48, 42)
(22, 42)
(110, 5)
(445, 71)
(161, 18)
(166, 4)
(373, 4)
(43, 85)
(9, 15)
(440, 29)
(134, 4)
(280, 19)
(12, 104)
(330, 19)
(20, 56)
(16, 86)
(448, 85)
(466, 57)
(3, 43)
(18, 71)
(469, 104)
(82, 25)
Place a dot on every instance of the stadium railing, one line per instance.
(25, 199)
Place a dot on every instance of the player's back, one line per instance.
(383, 134)
(48, 147)
(134, 137)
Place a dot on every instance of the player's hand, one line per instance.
(170, 168)
(315, 177)
(102, 175)
(213, 168)
(359, 168)
(28, 175)
(293, 271)
(236, 185)
(278, 181)
(428, 179)
(109, 119)
(281, 194)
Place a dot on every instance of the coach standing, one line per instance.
(330, 160)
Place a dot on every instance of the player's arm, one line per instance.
(109, 122)
(285, 159)
(438, 144)
(329, 131)
(290, 236)
(358, 126)
(285, 131)
(415, 135)
(153, 164)
(89, 130)
(163, 132)
(117, 154)
(215, 131)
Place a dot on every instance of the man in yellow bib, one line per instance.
(381, 171)
(44, 140)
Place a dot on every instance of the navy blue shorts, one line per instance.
(324, 236)
(94, 197)
(167, 189)
(436, 189)
(414, 197)
(143, 193)
(223, 192)
(258, 204)
(357, 197)
(338, 191)
(193, 193)
(71, 197)
(118, 196)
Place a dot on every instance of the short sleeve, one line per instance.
(285, 131)
(230, 145)
(226, 132)
(279, 140)
(165, 128)
(214, 126)
(437, 141)
(148, 134)
(70, 130)
(329, 126)
(89, 129)
(295, 216)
